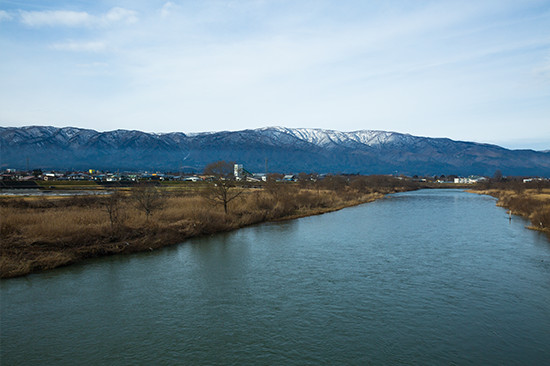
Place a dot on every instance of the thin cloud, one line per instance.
(119, 15)
(4, 16)
(94, 65)
(66, 18)
(56, 18)
(166, 9)
(96, 46)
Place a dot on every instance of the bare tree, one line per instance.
(360, 184)
(273, 187)
(518, 186)
(303, 180)
(539, 184)
(112, 206)
(220, 169)
(222, 189)
(335, 182)
(147, 198)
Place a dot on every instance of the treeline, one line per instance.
(515, 184)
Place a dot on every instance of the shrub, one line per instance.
(541, 218)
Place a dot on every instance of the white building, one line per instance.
(469, 180)
(192, 179)
(238, 171)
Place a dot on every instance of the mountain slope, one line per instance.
(287, 150)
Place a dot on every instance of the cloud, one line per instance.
(93, 65)
(56, 18)
(119, 15)
(166, 9)
(432, 68)
(4, 15)
(94, 46)
(66, 18)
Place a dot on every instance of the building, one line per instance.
(470, 180)
(238, 171)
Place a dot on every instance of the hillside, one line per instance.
(287, 150)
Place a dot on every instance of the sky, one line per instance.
(474, 70)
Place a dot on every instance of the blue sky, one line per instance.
(467, 70)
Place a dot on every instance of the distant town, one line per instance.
(13, 178)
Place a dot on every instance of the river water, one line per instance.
(426, 277)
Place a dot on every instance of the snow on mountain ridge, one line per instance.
(323, 138)
(288, 150)
(326, 138)
(316, 136)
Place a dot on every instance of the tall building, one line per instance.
(238, 171)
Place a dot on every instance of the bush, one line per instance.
(541, 218)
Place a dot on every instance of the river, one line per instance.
(426, 277)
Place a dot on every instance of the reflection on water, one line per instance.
(427, 277)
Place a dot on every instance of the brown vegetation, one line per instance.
(224, 189)
(43, 233)
(530, 200)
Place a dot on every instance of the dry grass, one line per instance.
(530, 203)
(39, 234)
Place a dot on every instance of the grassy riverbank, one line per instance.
(44, 233)
(533, 204)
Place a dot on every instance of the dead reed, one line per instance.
(39, 234)
(533, 204)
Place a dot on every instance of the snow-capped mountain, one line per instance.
(287, 150)
(332, 138)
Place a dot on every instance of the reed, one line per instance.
(39, 234)
(533, 204)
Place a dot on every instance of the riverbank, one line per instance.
(48, 232)
(533, 204)
(379, 283)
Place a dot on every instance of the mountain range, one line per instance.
(286, 150)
